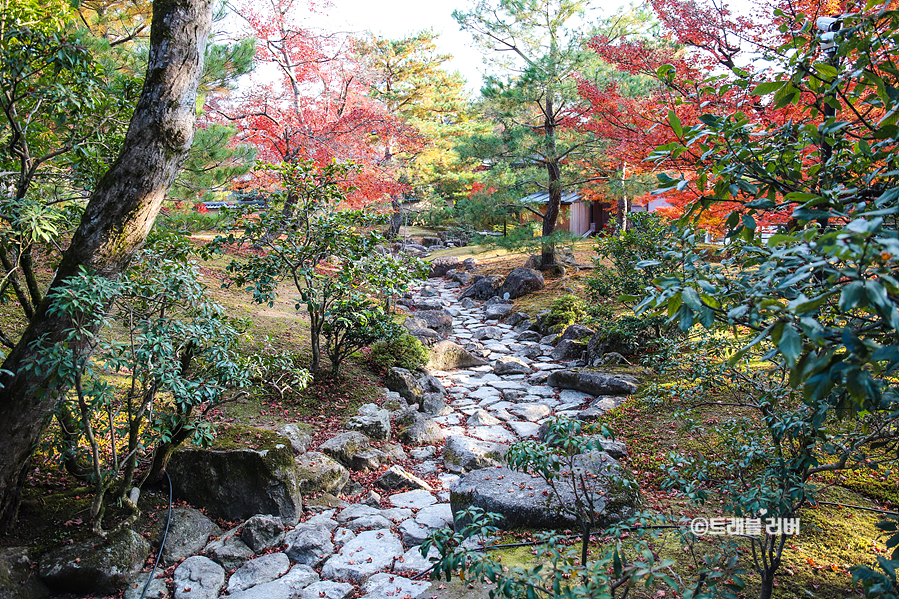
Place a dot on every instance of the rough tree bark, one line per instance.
(623, 208)
(554, 202)
(396, 219)
(118, 217)
(551, 159)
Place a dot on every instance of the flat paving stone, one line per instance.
(438, 515)
(532, 412)
(507, 385)
(385, 586)
(412, 562)
(541, 390)
(572, 396)
(524, 429)
(413, 499)
(361, 557)
(493, 434)
(484, 392)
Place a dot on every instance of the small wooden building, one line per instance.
(576, 215)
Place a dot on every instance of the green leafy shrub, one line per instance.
(435, 213)
(277, 370)
(192, 221)
(153, 389)
(646, 240)
(629, 335)
(354, 323)
(402, 351)
(565, 311)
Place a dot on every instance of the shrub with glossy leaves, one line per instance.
(403, 351)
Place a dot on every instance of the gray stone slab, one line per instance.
(369, 552)
(413, 499)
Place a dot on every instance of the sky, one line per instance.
(398, 18)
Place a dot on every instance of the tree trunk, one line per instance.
(115, 223)
(622, 212)
(396, 219)
(548, 253)
(553, 169)
(767, 587)
(624, 207)
(287, 212)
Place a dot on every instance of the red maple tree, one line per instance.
(703, 43)
(313, 104)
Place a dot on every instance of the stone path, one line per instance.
(373, 547)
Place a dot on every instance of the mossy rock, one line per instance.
(317, 472)
(16, 580)
(95, 565)
(246, 471)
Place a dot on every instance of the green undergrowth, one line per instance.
(832, 538)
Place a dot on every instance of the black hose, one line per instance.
(162, 544)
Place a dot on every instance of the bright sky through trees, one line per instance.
(398, 18)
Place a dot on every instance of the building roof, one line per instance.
(542, 197)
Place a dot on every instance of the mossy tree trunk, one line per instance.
(118, 217)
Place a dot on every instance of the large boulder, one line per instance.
(396, 477)
(522, 281)
(615, 449)
(487, 332)
(563, 255)
(385, 585)
(441, 264)
(189, 532)
(94, 565)
(427, 336)
(17, 581)
(576, 332)
(463, 454)
(525, 500)
(568, 349)
(462, 277)
(591, 382)
(371, 421)
(412, 324)
(157, 589)
(318, 473)
(498, 311)
(446, 355)
(328, 589)
(237, 483)
(415, 428)
(345, 446)
(484, 288)
(436, 320)
(405, 383)
(431, 383)
(433, 405)
(428, 304)
(510, 365)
